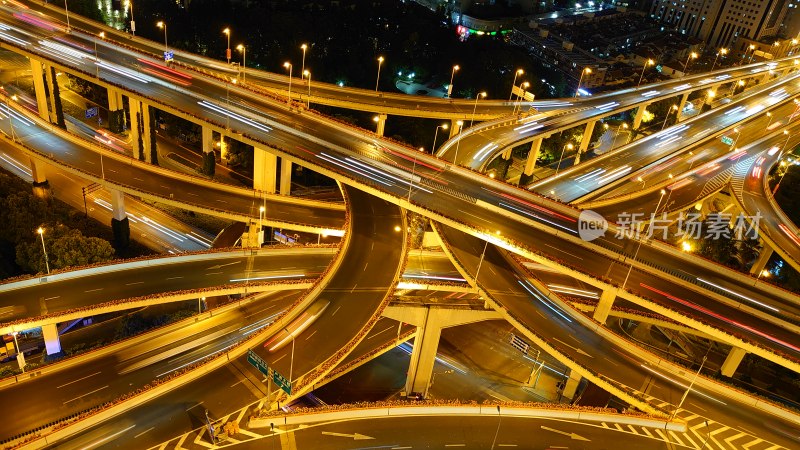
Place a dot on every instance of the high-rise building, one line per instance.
(721, 22)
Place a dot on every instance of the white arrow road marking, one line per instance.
(354, 436)
(219, 266)
(573, 436)
(574, 348)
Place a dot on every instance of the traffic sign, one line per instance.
(282, 382)
(168, 55)
(258, 363)
(91, 112)
(726, 140)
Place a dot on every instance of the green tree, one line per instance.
(65, 248)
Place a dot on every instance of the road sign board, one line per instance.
(169, 55)
(257, 362)
(282, 382)
(726, 140)
(91, 112)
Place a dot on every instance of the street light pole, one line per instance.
(622, 125)
(638, 247)
(378, 78)
(672, 108)
(584, 71)
(227, 32)
(514, 83)
(288, 65)
(686, 394)
(413, 170)
(475, 107)
(66, 11)
(568, 146)
(243, 49)
(452, 75)
(692, 55)
(460, 124)
(303, 66)
(162, 24)
(102, 35)
(443, 126)
(722, 51)
(133, 22)
(307, 74)
(649, 62)
(46, 259)
(521, 96)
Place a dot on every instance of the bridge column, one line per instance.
(265, 170)
(51, 342)
(505, 164)
(681, 105)
(572, 385)
(37, 174)
(120, 224)
(135, 112)
(637, 118)
(381, 121)
(116, 114)
(209, 157)
(49, 73)
(604, 305)
(38, 86)
(732, 361)
(585, 140)
(148, 134)
(454, 127)
(530, 162)
(286, 177)
(429, 322)
(761, 261)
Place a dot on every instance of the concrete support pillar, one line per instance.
(732, 361)
(454, 128)
(761, 261)
(286, 177)
(147, 133)
(381, 120)
(135, 112)
(765, 78)
(637, 118)
(585, 140)
(429, 322)
(118, 205)
(681, 105)
(37, 174)
(38, 86)
(572, 385)
(265, 170)
(51, 342)
(530, 162)
(116, 115)
(604, 305)
(208, 140)
(51, 81)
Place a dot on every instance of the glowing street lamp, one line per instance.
(40, 230)
(524, 85)
(569, 146)
(133, 22)
(303, 66)
(227, 32)
(752, 49)
(161, 24)
(514, 83)
(649, 62)
(672, 108)
(378, 79)
(443, 126)
(692, 55)
(307, 75)
(288, 65)
(586, 70)
(452, 75)
(243, 49)
(475, 107)
(722, 51)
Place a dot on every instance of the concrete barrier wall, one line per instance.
(433, 411)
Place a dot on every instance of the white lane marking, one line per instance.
(79, 379)
(194, 406)
(143, 432)
(94, 290)
(84, 395)
(135, 282)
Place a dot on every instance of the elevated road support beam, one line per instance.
(637, 118)
(120, 224)
(380, 120)
(265, 170)
(604, 305)
(761, 261)
(116, 111)
(286, 177)
(37, 72)
(681, 105)
(51, 342)
(429, 322)
(530, 161)
(585, 140)
(732, 361)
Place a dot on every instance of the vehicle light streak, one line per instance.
(537, 217)
(485, 151)
(271, 277)
(678, 383)
(590, 175)
(545, 301)
(614, 174)
(11, 161)
(789, 233)
(572, 291)
(721, 317)
(434, 277)
(233, 115)
(123, 72)
(738, 294)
